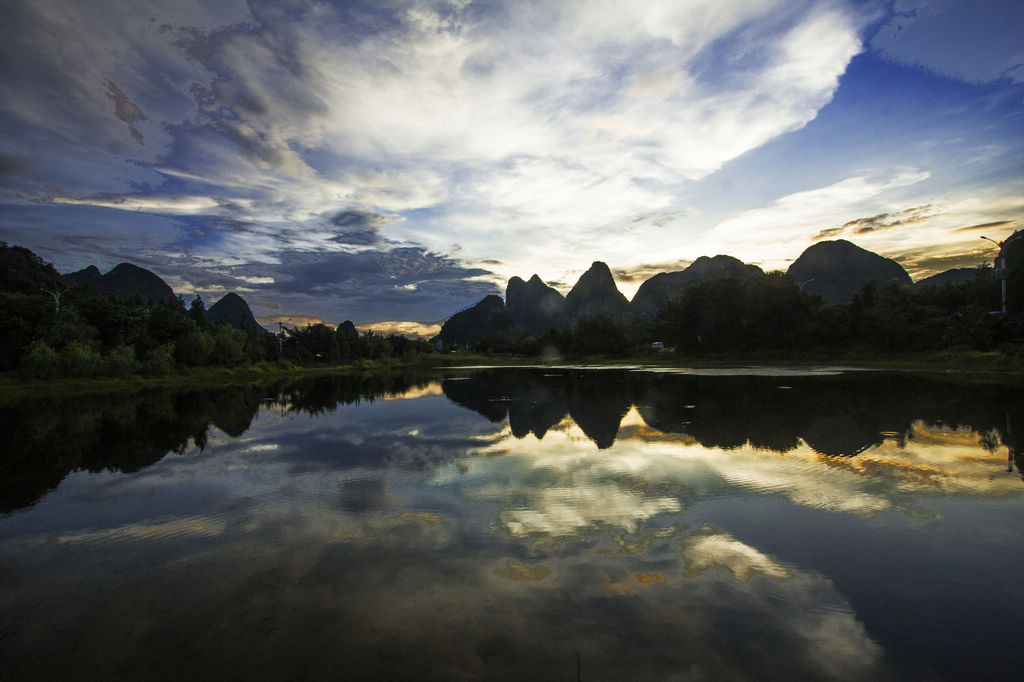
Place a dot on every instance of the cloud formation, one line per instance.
(509, 138)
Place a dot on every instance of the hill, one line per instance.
(836, 270)
(595, 294)
(663, 287)
(234, 311)
(534, 306)
(125, 281)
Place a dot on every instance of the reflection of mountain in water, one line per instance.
(46, 439)
(535, 401)
(836, 415)
(840, 415)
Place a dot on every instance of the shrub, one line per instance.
(40, 362)
(160, 360)
(121, 362)
(79, 359)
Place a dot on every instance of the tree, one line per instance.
(197, 311)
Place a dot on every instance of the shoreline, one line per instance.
(991, 365)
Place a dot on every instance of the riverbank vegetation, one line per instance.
(52, 333)
(768, 318)
(50, 330)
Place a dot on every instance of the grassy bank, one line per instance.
(14, 387)
(967, 361)
(1008, 364)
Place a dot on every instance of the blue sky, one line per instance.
(400, 160)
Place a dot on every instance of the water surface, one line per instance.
(555, 523)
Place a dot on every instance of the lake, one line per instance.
(555, 523)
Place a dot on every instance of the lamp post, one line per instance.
(1000, 263)
(56, 293)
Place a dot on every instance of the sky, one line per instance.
(398, 161)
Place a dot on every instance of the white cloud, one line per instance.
(575, 128)
(161, 205)
(777, 233)
(531, 133)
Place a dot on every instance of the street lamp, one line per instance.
(56, 293)
(1000, 263)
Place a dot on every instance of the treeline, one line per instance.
(770, 312)
(49, 329)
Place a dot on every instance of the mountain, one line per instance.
(24, 272)
(126, 281)
(955, 276)
(234, 311)
(836, 270)
(486, 318)
(533, 305)
(89, 276)
(665, 286)
(595, 294)
(348, 329)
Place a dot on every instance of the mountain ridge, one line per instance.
(834, 270)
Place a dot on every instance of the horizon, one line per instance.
(398, 163)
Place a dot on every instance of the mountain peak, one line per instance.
(665, 286)
(232, 310)
(125, 281)
(595, 294)
(472, 325)
(533, 305)
(837, 269)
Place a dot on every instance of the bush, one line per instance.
(40, 362)
(159, 361)
(194, 348)
(121, 362)
(79, 359)
(228, 346)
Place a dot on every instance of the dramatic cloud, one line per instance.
(882, 221)
(507, 138)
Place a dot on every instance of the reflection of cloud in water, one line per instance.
(410, 579)
(564, 511)
(704, 550)
(937, 460)
(194, 527)
(560, 486)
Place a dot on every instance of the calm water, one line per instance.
(556, 524)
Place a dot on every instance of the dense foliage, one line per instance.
(769, 312)
(50, 328)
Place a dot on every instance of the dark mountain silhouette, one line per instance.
(534, 306)
(836, 270)
(486, 318)
(234, 311)
(665, 286)
(89, 276)
(534, 402)
(348, 329)
(955, 276)
(595, 294)
(125, 281)
(24, 272)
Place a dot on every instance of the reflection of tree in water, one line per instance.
(50, 437)
(47, 438)
(535, 401)
(839, 415)
(320, 394)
